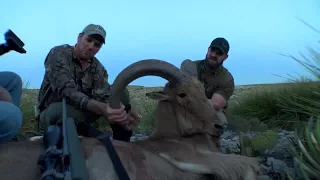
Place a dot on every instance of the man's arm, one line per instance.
(61, 79)
(221, 96)
(101, 90)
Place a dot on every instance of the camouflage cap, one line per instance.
(220, 43)
(95, 29)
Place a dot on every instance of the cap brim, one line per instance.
(95, 33)
(218, 47)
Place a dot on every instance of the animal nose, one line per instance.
(218, 129)
(218, 126)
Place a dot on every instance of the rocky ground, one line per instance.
(275, 160)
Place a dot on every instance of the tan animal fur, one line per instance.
(183, 144)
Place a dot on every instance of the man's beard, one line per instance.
(215, 65)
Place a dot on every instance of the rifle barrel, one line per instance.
(74, 161)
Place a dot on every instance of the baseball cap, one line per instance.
(220, 43)
(92, 29)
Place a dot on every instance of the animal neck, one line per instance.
(199, 144)
(166, 125)
(202, 142)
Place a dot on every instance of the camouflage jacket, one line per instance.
(220, 81)
(64, 75)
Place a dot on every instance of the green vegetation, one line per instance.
(278, 106)
(306, 150)
(256, 145)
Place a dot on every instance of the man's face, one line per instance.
(215, 57)
(88, 46)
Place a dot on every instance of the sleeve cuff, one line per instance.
(84, 102)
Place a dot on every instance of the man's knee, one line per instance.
(16, 80)
(53, 114)
(12, 82)
(12, 78)
(10, 121)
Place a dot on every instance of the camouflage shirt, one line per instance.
(64, 75)
(220, 81)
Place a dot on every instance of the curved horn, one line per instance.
(147, 67)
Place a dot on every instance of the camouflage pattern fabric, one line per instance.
(65, 76)
(220, 81)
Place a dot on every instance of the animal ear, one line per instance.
(157, 95)
(189, 67)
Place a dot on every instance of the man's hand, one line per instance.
(115, 115)
(217, 101)
(112, 115)
(132, 121)
(4, 95)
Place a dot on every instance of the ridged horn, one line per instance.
(147, 67)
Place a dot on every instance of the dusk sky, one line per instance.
(168, 30)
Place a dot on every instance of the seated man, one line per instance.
(75, 73)
(10, 113)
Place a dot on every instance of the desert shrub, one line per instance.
(270, 104)
(265, 140)
(256, 145)
(237, 123)
(28, 100)
(306, 151)
(27, 108)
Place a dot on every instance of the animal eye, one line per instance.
(182, 95)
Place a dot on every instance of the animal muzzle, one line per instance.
(219, 124)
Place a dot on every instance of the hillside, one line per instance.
(138, 92)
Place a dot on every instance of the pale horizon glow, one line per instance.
(166, 30)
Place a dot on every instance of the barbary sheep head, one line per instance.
(186, 104)
(183, 108)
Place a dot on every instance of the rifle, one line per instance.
(62, 159)
(12, 43)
